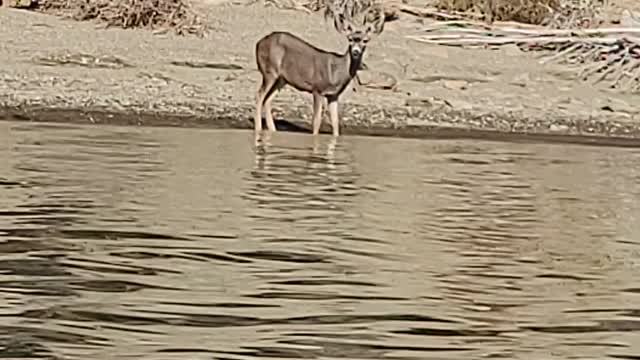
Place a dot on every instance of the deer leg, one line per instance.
(271, 125)
(317, 113)
(267, 83)
(333, 114)
(257, 120)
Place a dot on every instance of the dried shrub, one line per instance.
(554, 13)
(525, 11)
(352, 8)
(159, 15)
(577, 14)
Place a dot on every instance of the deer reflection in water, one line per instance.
(310, 180)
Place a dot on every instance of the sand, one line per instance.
(144, 78)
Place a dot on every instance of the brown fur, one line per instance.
(285, 59)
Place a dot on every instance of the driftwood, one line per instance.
(616, 63)
(598, 55)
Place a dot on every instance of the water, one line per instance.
(154, 243)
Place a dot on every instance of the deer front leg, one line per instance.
(333, 114)
(271, 125)
(317, 113)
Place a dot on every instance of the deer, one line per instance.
(286, 59)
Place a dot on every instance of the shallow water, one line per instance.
(165, 243)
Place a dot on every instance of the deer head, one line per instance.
(359, 27)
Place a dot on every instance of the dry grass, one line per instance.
(157, 15)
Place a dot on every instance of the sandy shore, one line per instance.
(148, 79)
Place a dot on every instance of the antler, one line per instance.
(343, 13)
(375, 18)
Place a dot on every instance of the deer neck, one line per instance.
(346, 68)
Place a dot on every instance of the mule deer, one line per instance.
(285, 59)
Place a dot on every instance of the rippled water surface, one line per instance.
(158, 243)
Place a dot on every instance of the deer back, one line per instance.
(299, 63)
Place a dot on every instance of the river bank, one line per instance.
(61, 70)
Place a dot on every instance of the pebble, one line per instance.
(558, 128)
(455, 84)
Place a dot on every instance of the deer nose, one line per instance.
(356, 51)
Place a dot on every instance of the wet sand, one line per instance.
(147, 79)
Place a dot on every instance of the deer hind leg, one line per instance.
(317, 112)
(333, 114)
(267, 83)
(271, 93)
